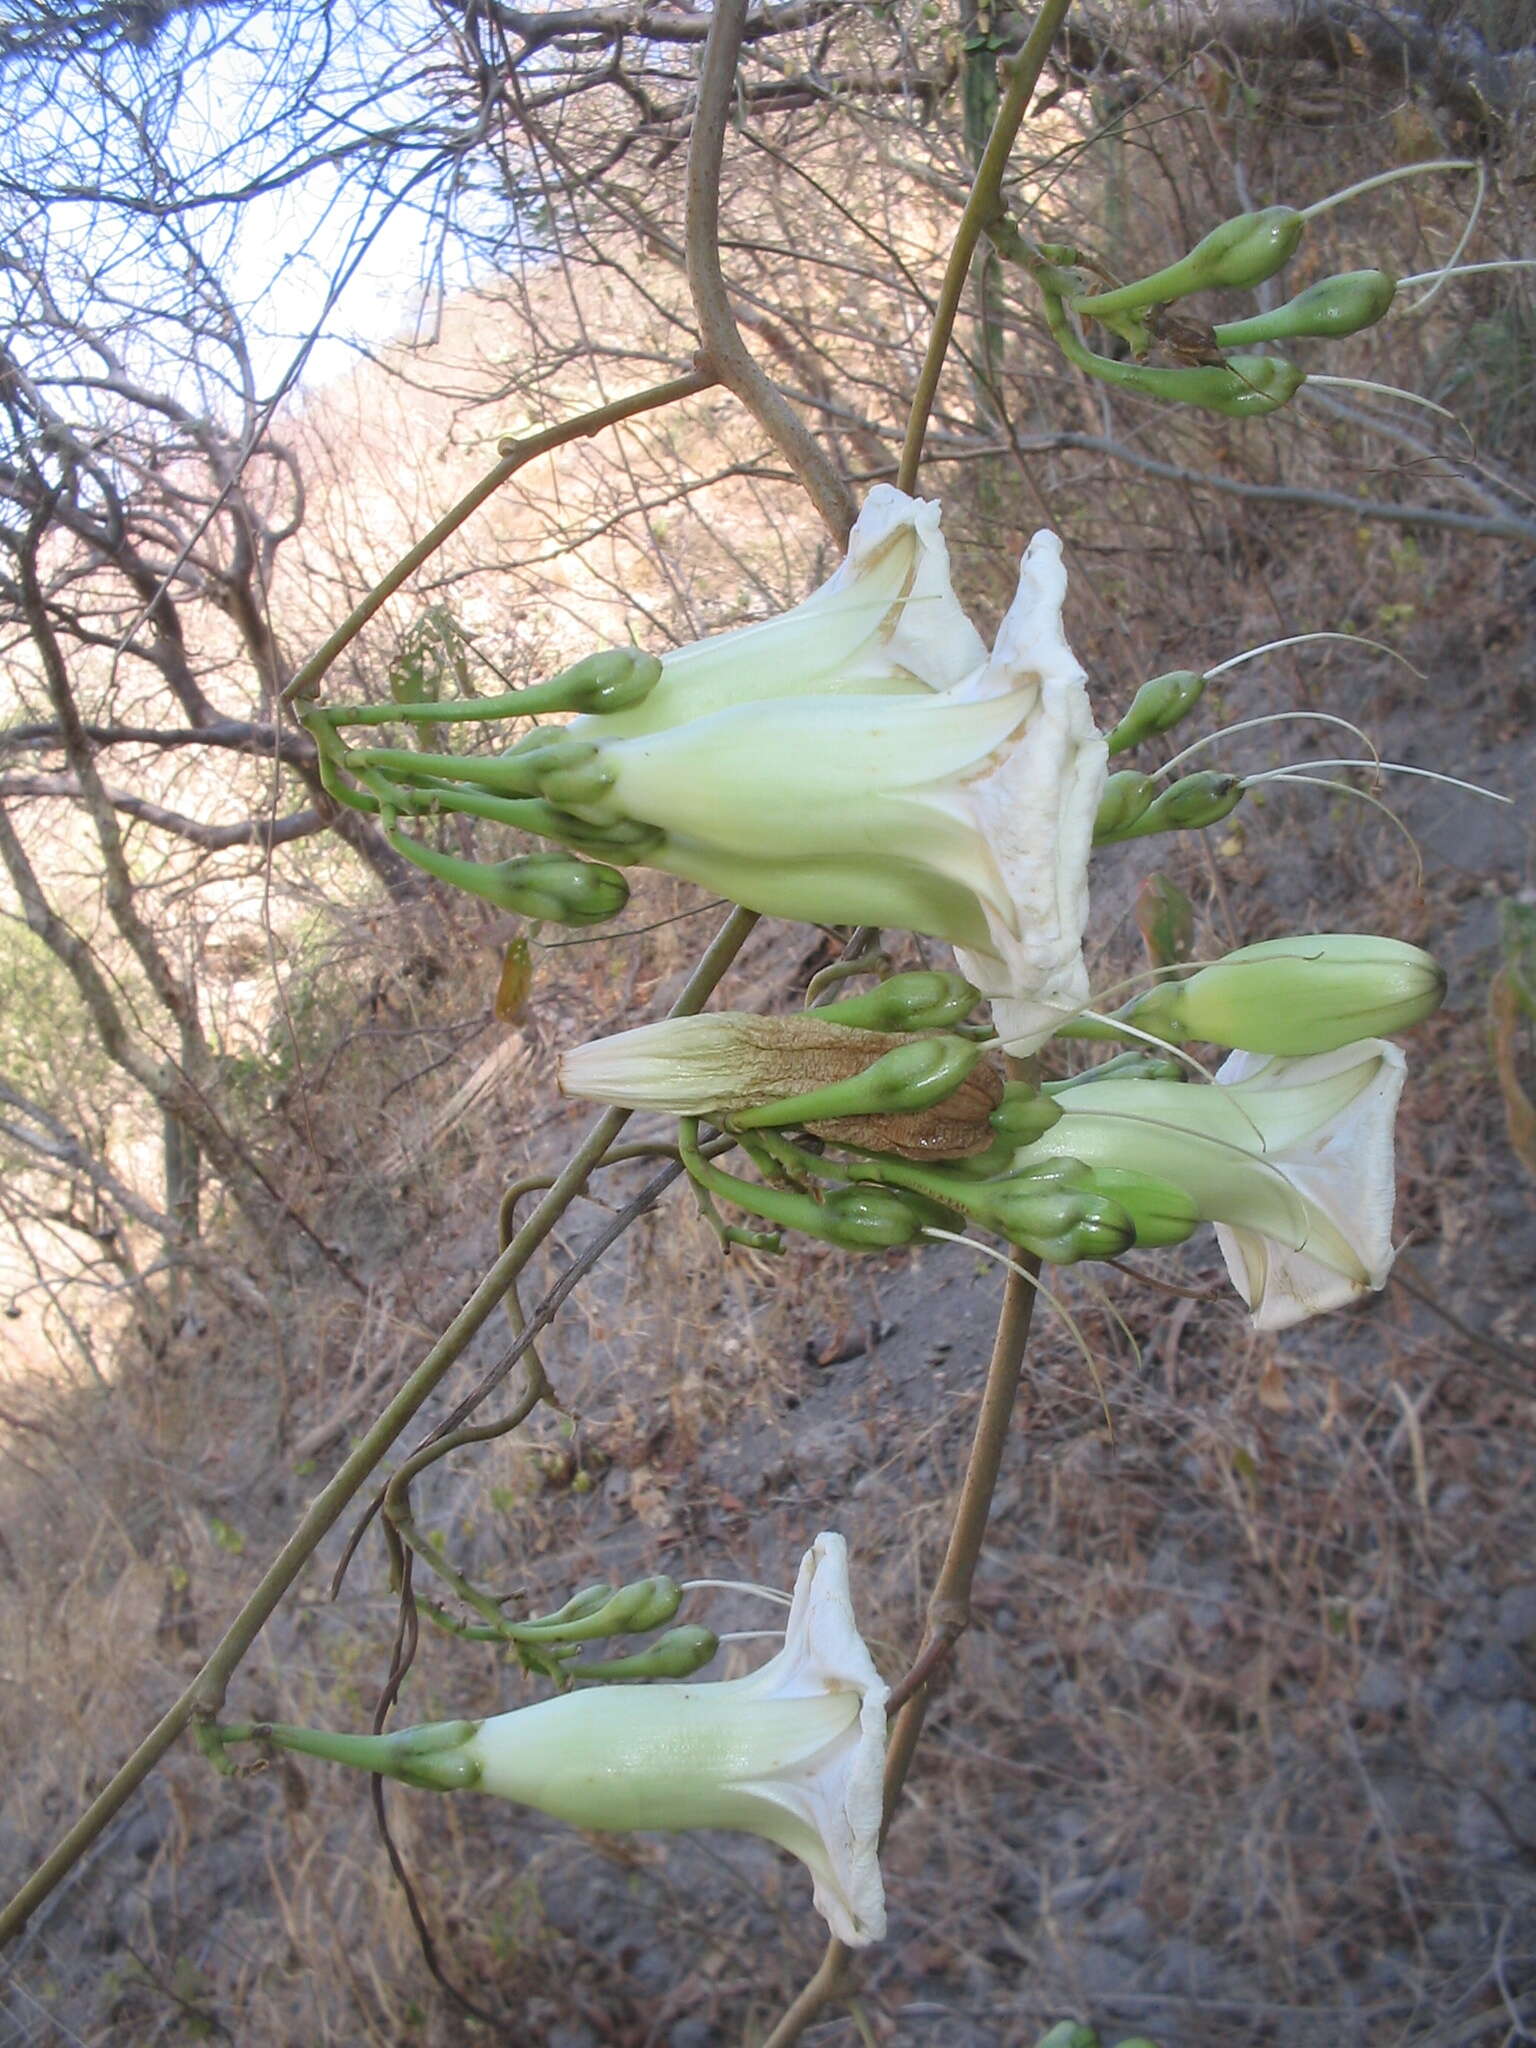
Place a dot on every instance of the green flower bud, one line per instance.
(581, 1604)
(925, 1001)
(1068, 2034)
(1126, 797)
(539, 885)
(1244, 387)
(1053, 1208)
(914, 1075)
(677, 1654)
(872, 1219)
(1157, 707)
(1298, 995)
(1184, 806)
(636, 1609)
(1239, 254)
(1334, 307)
(632, 1610)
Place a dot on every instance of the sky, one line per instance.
(208, 105)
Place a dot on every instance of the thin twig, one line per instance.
(984, 201)
(514, 455)
(724, 354)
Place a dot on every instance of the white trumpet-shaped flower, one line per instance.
(1291, 1159)
(815, 768)
(794, 1751)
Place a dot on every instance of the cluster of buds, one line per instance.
(1289, 1154)
(1212, 371)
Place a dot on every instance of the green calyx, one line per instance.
(432, 1757)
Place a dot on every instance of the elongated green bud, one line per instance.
(540, 885)
(632, 1610)
(912, 1076)
(1239, 254)
(1298, 995)
(1127, 796)
(1157, 707)
(1184, 806)
(1333, 307)
(1244, 387)
(677, 1654)
(924, 1001)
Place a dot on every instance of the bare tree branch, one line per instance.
(212, 838)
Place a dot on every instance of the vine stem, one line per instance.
(724, 353)
(205, 1695)
(514, 454)
(984, 203)
(949, 1605)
